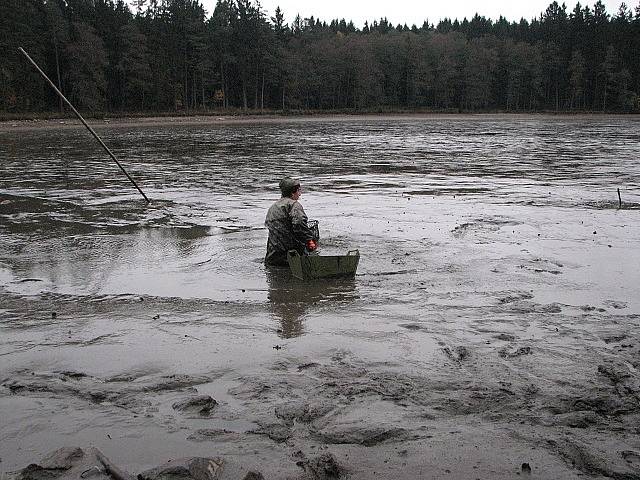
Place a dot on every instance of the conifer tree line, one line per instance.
(170, 55)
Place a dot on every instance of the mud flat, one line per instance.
(492, 330)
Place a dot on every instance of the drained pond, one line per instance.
(493, 321)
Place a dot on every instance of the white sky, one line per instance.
(415, 11)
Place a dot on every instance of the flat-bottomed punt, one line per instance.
(323, 266)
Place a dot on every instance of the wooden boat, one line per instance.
(323, 266)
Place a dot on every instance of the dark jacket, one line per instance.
(288, 230)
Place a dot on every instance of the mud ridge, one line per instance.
(129, 395)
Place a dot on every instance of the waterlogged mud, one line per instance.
(492, 329)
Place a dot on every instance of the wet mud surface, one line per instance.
(492, 330)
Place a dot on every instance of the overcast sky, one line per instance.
(414, 11)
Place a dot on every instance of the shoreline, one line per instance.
(270, 118)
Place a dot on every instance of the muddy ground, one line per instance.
(491, 331)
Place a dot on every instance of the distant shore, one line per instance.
(45, 122)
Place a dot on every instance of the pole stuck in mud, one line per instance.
(95, 135)
(619, 199)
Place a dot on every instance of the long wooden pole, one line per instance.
(95, 135)
(619, 199)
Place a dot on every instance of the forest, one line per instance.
(172, 56)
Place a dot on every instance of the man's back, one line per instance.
(288, 230)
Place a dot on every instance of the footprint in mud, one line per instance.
(616, 373)
(505, 337)
(306, 366)
(481, 225)
(614, 338)
(615, 304)
(542, 265)
(631, 457)
(275, 431)
(324, 466)
(505, 353)
(459, 353)
(540, 270)
(201, 405)
(551, 308)
(414, 327)
(515, 297)
(577, 419)
(71, 373)
(212, 434)
(525, 306)
(361, 434)
(590, 308)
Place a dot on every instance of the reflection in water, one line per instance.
(110, 260)
(290, 298)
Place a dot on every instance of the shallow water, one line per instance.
(494, 258)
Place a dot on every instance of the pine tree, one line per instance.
(86, 80)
